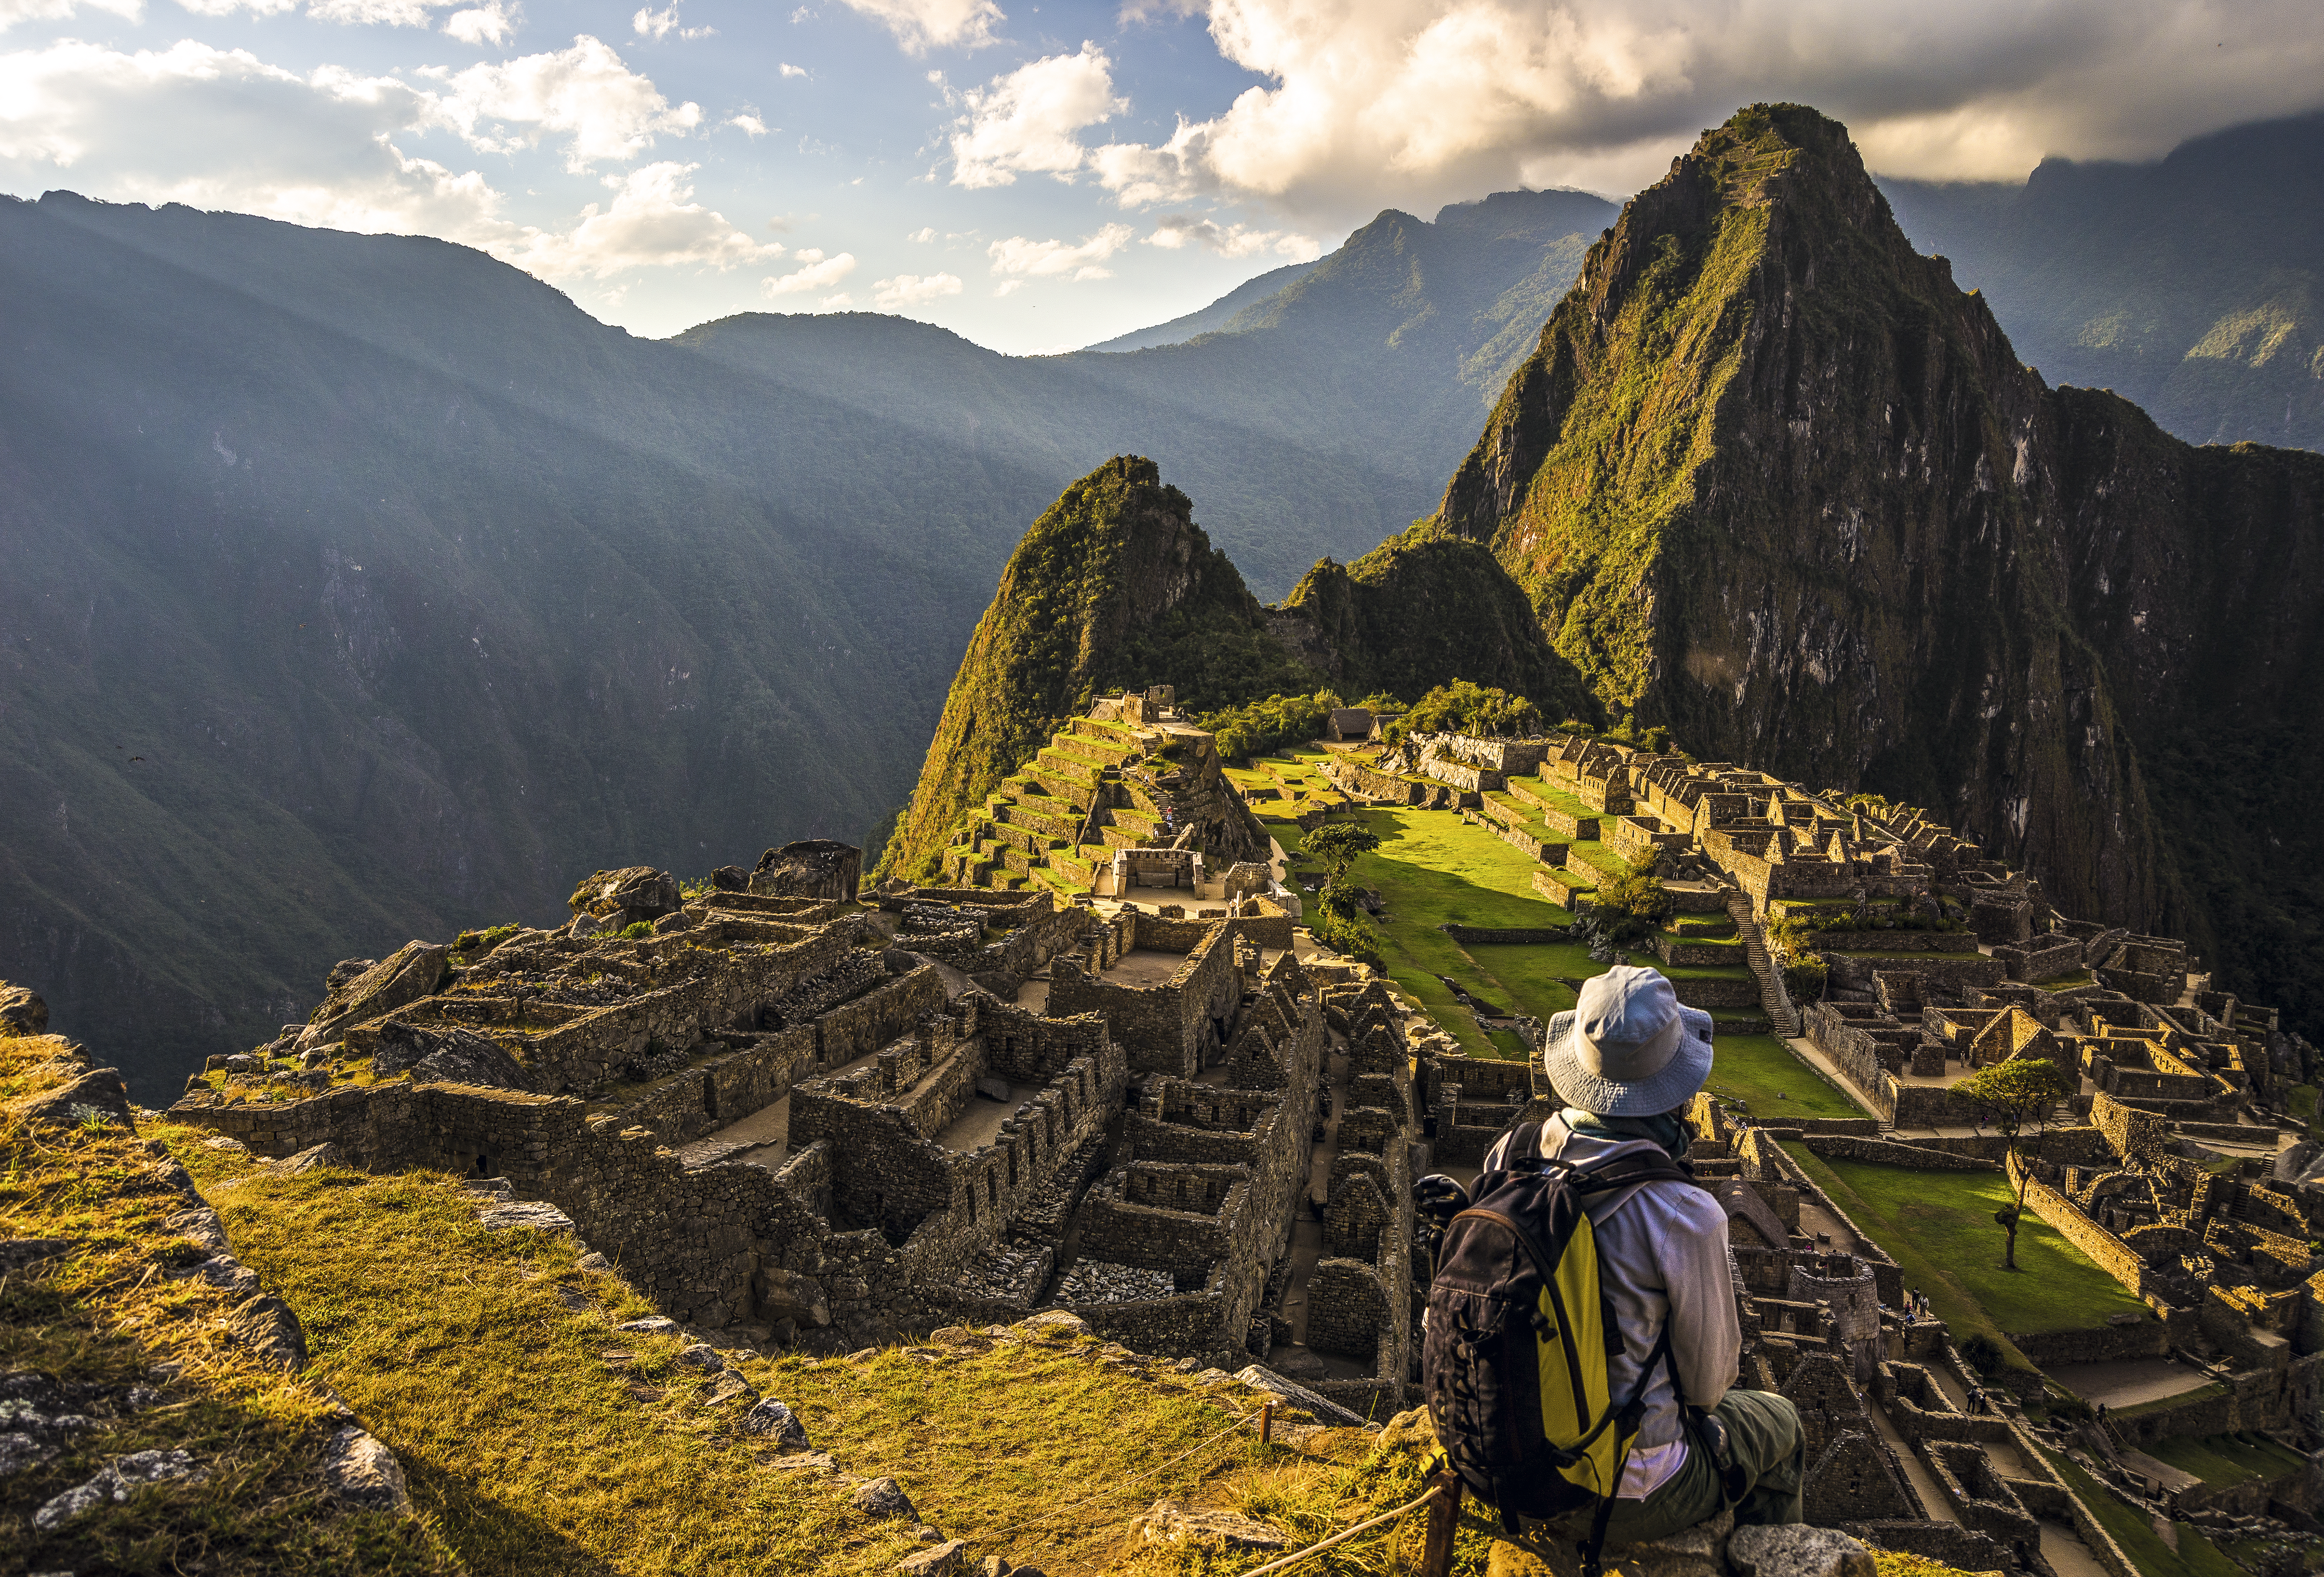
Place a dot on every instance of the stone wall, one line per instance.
(1347, 1309)
(1890, 1153)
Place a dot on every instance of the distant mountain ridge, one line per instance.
(2192, 285)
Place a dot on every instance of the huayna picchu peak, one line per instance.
(1772, 480)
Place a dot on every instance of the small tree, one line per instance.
(2024, 1089)
(1339, 843)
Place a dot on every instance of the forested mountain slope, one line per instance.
(1773, 480)
(2192, 285)
(352, 586)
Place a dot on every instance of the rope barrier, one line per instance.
(1298, 1555)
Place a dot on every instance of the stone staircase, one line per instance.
(1782, 1017)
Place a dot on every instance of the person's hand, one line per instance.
(1440, 1196)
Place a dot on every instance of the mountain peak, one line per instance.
(1773, 480)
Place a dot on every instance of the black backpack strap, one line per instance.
(1632, 1414)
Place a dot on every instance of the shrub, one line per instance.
(1805, 979)
(1981, 1352)
(1261, 726)
(1463, 707)
(1346, 932)
(637, 929)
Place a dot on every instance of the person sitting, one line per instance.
(1627, 1062)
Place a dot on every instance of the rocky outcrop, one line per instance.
(1771, 479)
(412, 972)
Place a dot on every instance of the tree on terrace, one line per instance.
(2021, 1090)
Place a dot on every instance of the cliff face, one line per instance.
(1772, 479)
(1113, 586)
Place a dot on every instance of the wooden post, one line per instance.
(1265, 1422)
(1443, 1517)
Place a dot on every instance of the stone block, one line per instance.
(1797, 1551)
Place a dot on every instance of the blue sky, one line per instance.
(1042, 177)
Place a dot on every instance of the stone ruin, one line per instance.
(825, 1122)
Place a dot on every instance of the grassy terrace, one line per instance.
(1295, 779)
(1773, 1084)
(538, 1439)
(1939, 1226)
(2195, 1556)
(2223, 1459)
(1433, 868)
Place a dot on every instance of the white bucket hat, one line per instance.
(1627, 1049)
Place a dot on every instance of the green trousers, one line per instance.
(1763, 1441)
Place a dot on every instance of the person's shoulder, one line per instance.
(1688, 1202)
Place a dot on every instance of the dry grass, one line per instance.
(482, 1359)
(107, 1312)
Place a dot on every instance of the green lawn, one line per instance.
(1772, 1084)
(1559, 798)
(2222, 1459)
(2195, 1556)
(1432, 868)
(1944, 1220)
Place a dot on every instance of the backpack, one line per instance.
(1514, 1361)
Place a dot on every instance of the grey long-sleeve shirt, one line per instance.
(1662, 1256)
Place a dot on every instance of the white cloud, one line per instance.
(13, 11)
(816, 271)
(1031, 119)
(747, 123)
(838, 303)
(1174, 231)
(1418, 102)
(229, 7)
(1019, 259)
(490, 23)
(585, 92)
(910, 290)
(221, 129)
(650, 23)
(920, 25)
(363, 12)
(924, 235)
(651, 222)
(787, 70)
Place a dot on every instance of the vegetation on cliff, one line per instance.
(1418, 610)
(1113, 586)
(1773, 481)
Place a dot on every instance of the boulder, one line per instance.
(937, 1561)
(812, 868)
(114, 1484)
(1325, 1411)
(201, 1225)
(1173, 1522)
(22, 1011)
(452, 1055)
(314, 1158)
(777, 1423)
(701, 1355)
(361, 1472)
(1055, 1323)
(730, 879)
(99, 1093)
(21, 1254)
(633, 893)
(882, 1498)
(267, 1329)
(650, 1326)
(412, 972)
(534, 1213)
(1797, 1551)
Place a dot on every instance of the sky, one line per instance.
(1038, 178)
